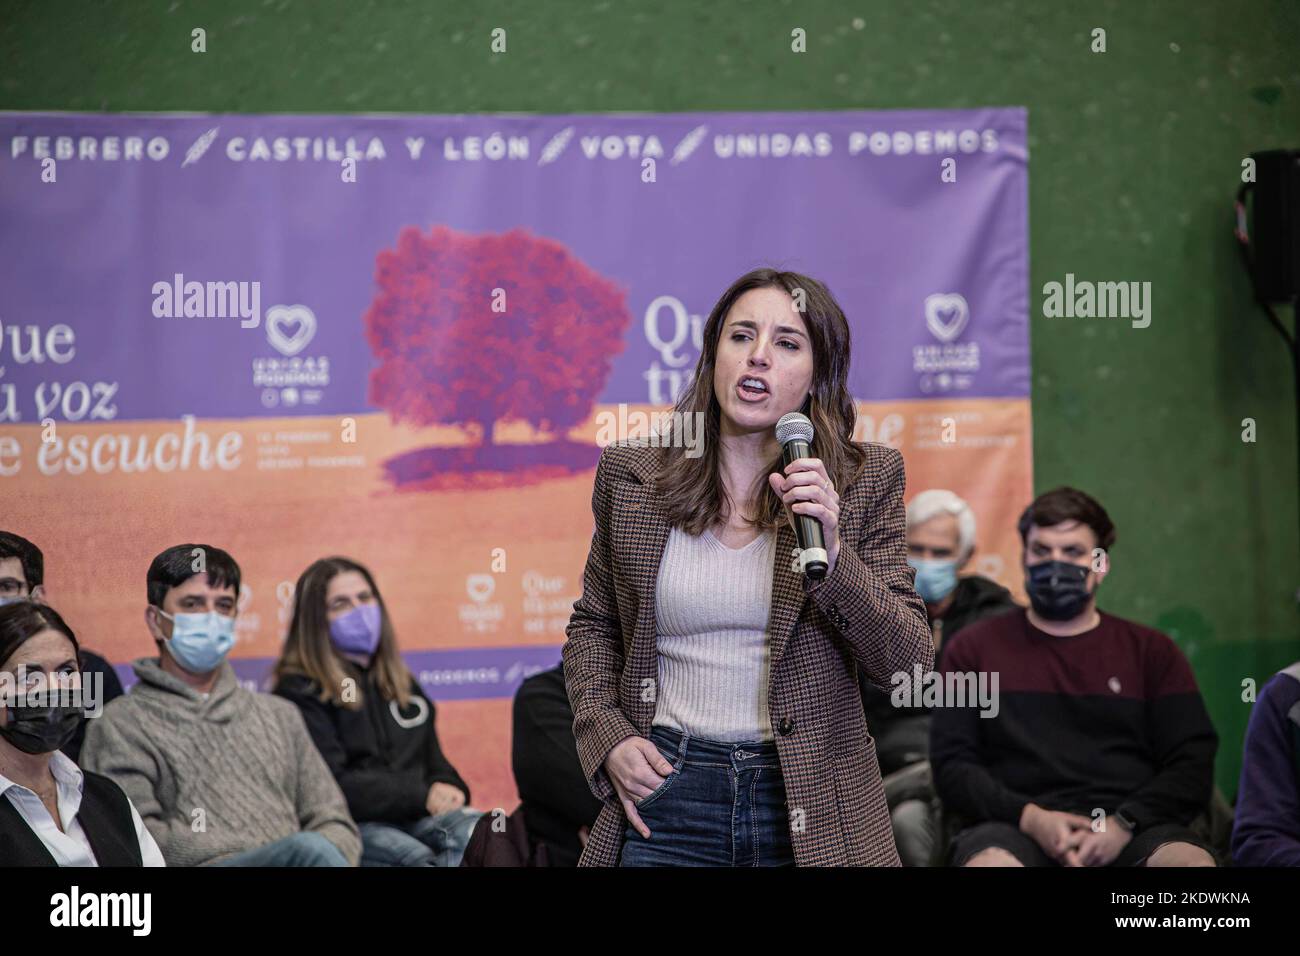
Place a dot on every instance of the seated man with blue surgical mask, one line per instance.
(220, 774)
(940, 542)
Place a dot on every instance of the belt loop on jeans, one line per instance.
(682, 738)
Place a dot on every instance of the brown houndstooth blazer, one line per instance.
(864, 615)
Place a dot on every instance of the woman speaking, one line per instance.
(714, 686)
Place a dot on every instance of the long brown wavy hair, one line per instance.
(309, 652)
(691, 488)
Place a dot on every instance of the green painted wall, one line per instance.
(1134, 158)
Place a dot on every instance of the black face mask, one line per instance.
(1057, 590)
(41, 729)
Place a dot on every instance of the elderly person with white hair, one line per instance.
(940, 542)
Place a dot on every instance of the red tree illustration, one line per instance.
(447, 358)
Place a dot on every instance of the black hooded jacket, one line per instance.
(385, 758)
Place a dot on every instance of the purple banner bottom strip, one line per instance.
(462, 674)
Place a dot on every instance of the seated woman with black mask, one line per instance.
(52, 813)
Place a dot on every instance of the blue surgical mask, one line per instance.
(200, 642)
(935, 579)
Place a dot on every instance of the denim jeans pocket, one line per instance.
(660, 790)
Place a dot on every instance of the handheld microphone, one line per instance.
(795, 433)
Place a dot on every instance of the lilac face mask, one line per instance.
(357, 632)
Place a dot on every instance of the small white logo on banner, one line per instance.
(480, 586)
(946, 314)
(481, 615)
(289, 328)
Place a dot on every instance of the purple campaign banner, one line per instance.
(917, 221)
(403, 339)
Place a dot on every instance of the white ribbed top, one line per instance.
(711, 608)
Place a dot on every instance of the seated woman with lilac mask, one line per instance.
(371, 721)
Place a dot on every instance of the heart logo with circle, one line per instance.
(289, 328)
(480, 586)
(946, 314)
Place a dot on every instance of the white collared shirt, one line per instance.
(69, 846)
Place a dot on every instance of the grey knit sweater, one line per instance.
(242, 758)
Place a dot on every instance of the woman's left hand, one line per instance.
(806, 489)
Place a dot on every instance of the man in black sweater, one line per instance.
(1099, 751)
(556, 800)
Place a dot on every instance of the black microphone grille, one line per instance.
(794, 425)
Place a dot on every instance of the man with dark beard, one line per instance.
(1100, 752)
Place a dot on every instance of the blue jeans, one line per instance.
(429, 841)
(301, 849)
(722, 805)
